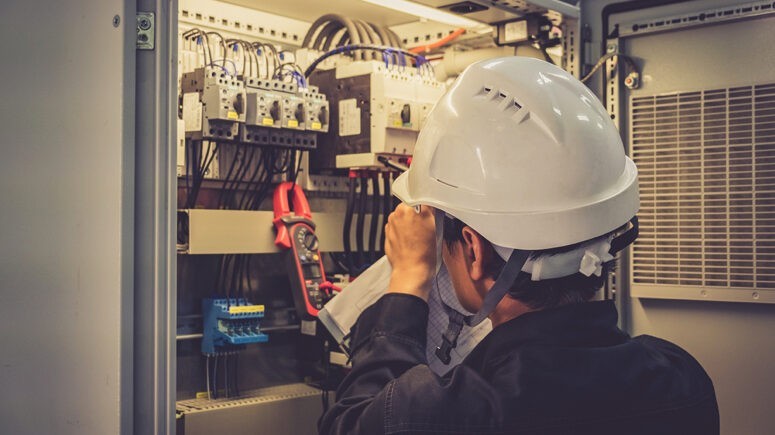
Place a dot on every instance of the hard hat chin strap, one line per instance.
(502, 285)
(505, 280)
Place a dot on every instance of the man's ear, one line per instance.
(478, 254)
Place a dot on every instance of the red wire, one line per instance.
(441, 42)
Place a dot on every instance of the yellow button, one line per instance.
(316, 257)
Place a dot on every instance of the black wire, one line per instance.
(246, 193)
(298, 166)
(198, 178)
(226, 374)
(215, 377)
(236, 374)
(227, 179)
(348, 221)
(238, 179)
(247, 163)
(250, 284)
(375, 205)
(262, 186)
(359, 224)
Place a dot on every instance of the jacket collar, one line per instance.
(577, 325)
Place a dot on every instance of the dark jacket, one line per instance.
(566, 370)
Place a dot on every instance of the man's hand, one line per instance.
(410, 245)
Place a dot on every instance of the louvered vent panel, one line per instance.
(707, 181)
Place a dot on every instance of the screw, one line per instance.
(116, 21)
(144, 23)
(611, 48)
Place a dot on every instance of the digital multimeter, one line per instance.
(296, 233)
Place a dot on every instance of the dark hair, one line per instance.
(548, 293)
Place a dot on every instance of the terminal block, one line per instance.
(230, 324)
(213, 104)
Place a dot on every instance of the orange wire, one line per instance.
(443, 41)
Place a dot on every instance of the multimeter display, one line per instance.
(311, 270)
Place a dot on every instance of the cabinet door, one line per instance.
(66, 216)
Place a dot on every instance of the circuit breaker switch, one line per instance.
(239, 104)
(406, 114)
(299, 114)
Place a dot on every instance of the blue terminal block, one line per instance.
(230, 324)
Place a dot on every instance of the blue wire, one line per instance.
(226, 60)
(221, 67)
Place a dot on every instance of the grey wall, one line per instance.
(66, 199)
(733, 341)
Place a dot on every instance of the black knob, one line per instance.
(274, 111)
(323, 116)
(239, 104)
(310, 241)
(406, 114)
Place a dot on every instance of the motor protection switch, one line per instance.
(294, 112)
(213, 104)
(276, 115)
(317, 113)
(296, 234)
(265, 97)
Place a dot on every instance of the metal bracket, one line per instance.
(146, 31)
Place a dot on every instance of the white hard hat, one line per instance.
(525, 154)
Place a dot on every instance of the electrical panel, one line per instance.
(376, 109)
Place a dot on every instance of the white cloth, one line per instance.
(341, 313)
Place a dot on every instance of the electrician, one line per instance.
(524, 169)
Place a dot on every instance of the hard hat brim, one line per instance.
(548, 229)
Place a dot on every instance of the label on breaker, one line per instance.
(293, 123)
(232, 115)
(267, 121)
(316, 125)
(516, 31)
(349, 117)
(192, 111)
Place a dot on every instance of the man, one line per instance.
(523, 168)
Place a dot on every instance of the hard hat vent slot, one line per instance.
(517, 105)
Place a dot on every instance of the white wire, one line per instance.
(208, 377)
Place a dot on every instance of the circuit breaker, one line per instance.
(279, 113)
(374, 110)
(213, 104)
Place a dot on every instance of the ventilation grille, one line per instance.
(707, 181)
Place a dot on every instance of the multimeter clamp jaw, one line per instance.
(284, 217)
